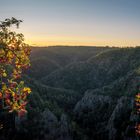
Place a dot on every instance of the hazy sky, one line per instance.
(76, 22)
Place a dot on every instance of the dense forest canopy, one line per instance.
(89, 91)
(78, 93)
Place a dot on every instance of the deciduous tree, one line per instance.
(14, 59)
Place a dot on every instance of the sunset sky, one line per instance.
(76, 22)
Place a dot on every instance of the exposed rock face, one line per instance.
(48, 125)
(90, 101)
(119, 122)
(94, 105)
(92, 112)
(111, 119)
(64, 130)
(52, 129)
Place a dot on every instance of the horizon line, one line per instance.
(85, 46)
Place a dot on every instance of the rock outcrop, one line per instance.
(92, 112)
(121, 119)
(106, 117)
(52, 129)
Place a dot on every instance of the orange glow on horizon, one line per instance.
(82, 43)
(75, 40)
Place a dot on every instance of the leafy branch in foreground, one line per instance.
(137, 102)
(14, 59)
